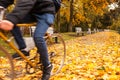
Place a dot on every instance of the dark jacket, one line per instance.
(24, 7)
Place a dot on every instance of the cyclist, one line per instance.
(25, 11)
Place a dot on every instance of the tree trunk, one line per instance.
(58, 21)
(71, 16)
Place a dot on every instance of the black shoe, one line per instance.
(18, 56)
(47, 72)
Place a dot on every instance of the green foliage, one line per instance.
(106, 20)
(116, 24)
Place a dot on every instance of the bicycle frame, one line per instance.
(11, 44)
(13, 47)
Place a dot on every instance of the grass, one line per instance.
(6, 46)
(70, 35)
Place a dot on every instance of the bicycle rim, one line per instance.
(57, 52)
(7, 66)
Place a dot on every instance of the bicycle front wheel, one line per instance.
(6, 66)
(57, 52)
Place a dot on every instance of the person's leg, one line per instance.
(18, 38)
(43, 22)
(16, 32)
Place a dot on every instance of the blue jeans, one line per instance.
(17, 33)
(43, 22)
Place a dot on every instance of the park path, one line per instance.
(95, 56)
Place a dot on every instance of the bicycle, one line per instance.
(56, 49)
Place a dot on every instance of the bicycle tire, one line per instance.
(9, 72)
(57, 52)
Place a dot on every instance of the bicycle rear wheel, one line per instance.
(6, 66)
(57, 52)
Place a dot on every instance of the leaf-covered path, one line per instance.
(91, 57)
